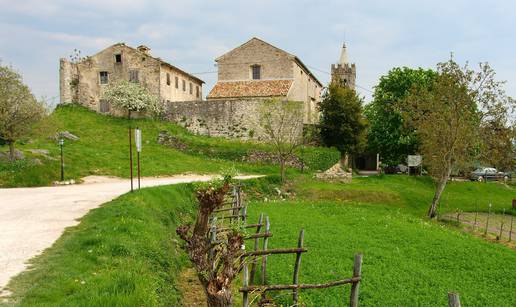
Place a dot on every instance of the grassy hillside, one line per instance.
(126, 252)
(103, 150)
(411, 194)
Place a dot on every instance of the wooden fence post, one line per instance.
(487, 221)
(357, 272)
(295, 294)
(256, 243)
(264, 257)
(510, 231)
(453, 299)
(245, 294)
(501, 225)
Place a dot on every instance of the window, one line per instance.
(168, 78)
(104, 106)
(197, 92)
(177, 82)
(191, 88)
(103, 77)
(118, 58)
(133, 76)
(184, 85)
(256, 72)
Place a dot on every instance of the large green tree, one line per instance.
(448, 117)
(19, 110)
(388, 134)
(342, 123)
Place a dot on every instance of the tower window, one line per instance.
(103, 77)
(256, 72)
(118, 58)
(168, 78)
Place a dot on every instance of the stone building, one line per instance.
(259, 70)
(344, 73)
(83, 81)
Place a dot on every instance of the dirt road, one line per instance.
(32, 219)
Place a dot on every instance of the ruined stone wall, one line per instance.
(67, 75)
(224, 118)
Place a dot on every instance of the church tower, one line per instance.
(344, 73)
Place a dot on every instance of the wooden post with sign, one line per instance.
(131, 156)
(138, 141)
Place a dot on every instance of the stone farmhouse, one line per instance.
(258, 70)
(84, 81)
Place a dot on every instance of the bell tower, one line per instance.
(344, 73)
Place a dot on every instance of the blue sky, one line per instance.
(191, 34)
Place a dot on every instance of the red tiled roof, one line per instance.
(251, 88)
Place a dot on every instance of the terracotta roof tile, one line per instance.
(251, 88)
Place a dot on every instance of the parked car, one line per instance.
(488, 173)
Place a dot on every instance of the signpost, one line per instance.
(138, 141)
(61, 143)
(131, 155)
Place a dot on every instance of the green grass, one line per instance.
(124, 253)
(408, 261)
(103, 150)
(412, 194)
(127, 254)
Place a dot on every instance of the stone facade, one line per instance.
(238, 65)
(85, 81)
(232, 118)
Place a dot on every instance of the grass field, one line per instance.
(408, 261)
(103, 150)
(126, 251)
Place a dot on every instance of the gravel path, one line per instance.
(32, 219)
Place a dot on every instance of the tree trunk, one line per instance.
(11, 151)
(344, 161)
(441, 184)
(282, 169)
(222, 298)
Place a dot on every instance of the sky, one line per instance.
(190, 34)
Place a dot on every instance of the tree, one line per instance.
(132, 97)
(19, 110)
(342, 123)
(447, 118)
(216, 265)
(282, 125)
(497, 145)
(388, 133)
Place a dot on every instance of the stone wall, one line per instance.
(224, 118)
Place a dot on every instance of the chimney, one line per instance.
(144, 49)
